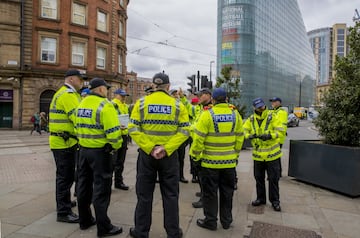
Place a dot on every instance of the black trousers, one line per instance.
(273, 173)
(214, 180)
(181, 152)
(65, 170)
(94, 186)
(119, 162)
(168, 171)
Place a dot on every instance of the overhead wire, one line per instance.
(179, 60)
(161, 42)
(174, 46)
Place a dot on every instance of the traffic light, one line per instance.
(205, 83)
(191, 84)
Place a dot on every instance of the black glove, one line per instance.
(108, 148)
(197, 164)
(265, 137)
(253, 136)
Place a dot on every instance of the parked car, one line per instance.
(293, 120)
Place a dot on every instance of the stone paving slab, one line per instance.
(27, 199)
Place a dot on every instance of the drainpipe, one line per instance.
(22, 30)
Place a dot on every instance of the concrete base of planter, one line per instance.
(330, 166)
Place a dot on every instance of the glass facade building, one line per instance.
(327, 44)
(266, 44)
(320, 41)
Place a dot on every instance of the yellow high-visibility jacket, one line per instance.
(62, 117)
(264, 150)
(282, 116)
(122, 109)
(218, 137)
(97, 123)
(159, 119)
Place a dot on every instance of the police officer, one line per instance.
(159, 124)
(264, 130)
(123, 110)
(194, 112)
(63, 142)
(217, 141)
(205, 104)
(181, 150)
(99, 134)
(282, 116)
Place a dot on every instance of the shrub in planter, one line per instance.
(339, 120)
(334, 162)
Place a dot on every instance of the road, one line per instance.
(305, 131)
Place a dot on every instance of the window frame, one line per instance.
(43, 35)
(121, 29)
(120, 63)
(77, 40)
(103, 46)
(56, 10)
(73, 13)
(98, 27)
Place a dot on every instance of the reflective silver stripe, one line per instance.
(229, 152)
(268, 149)
(134, 129)
(219, 144)
(177, 111)
(279, 129)
(60, 121)
(114, 140)
(68, 90)
(199, 133)
(142, 105)
(160, 133)
(185, 132)
(98, 112)
(239, 134)
(195, 152)
(86, 136)
(221, 134)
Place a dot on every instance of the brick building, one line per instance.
(41, 39)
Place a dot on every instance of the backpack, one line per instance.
(32, 119)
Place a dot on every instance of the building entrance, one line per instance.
(45, 100)
(6, 108)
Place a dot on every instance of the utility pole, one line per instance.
(211, 62)
(300, 94)
(198, 80)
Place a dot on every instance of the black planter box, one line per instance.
(330, 166)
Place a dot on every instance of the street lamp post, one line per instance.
(211, 62)
(300, 93)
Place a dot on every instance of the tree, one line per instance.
(232, 88)
(339, 119)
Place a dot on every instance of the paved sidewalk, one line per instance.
(27, 199)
